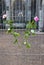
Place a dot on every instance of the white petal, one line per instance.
(24, 42)
(8, 29)
(4, 16)
(32, 31)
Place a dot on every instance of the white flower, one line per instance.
(24, 42)
(4, 16)
(8, 29)
(32, 31)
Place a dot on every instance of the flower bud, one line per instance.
(4, 16)
(32, 31)
(36, 19)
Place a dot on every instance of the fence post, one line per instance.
(43, 14)
(28, 10)
(8, 9)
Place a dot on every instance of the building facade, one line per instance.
(21, 11)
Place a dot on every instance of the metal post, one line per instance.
(28, 10)
(8, 9)
(40, 24)
(43, 14)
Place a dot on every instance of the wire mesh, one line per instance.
(19, 11)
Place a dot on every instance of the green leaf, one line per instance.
(15, 34)
(9, 31)
(33, 24)
(27, 32)
(28, 26)
(26, 35)
(16, 41)
(28, 45)
(10, 21)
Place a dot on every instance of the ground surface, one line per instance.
(11, 54)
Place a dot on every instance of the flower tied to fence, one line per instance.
(4, 16)
(36, 19)
(30, 30)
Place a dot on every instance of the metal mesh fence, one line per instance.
(20, 11)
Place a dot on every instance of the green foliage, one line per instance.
(27, 33)
(9, 22)
(9, 31)
(16, 41)
(31, 25)
(28, 26)
(15, 34)
(28, 45)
